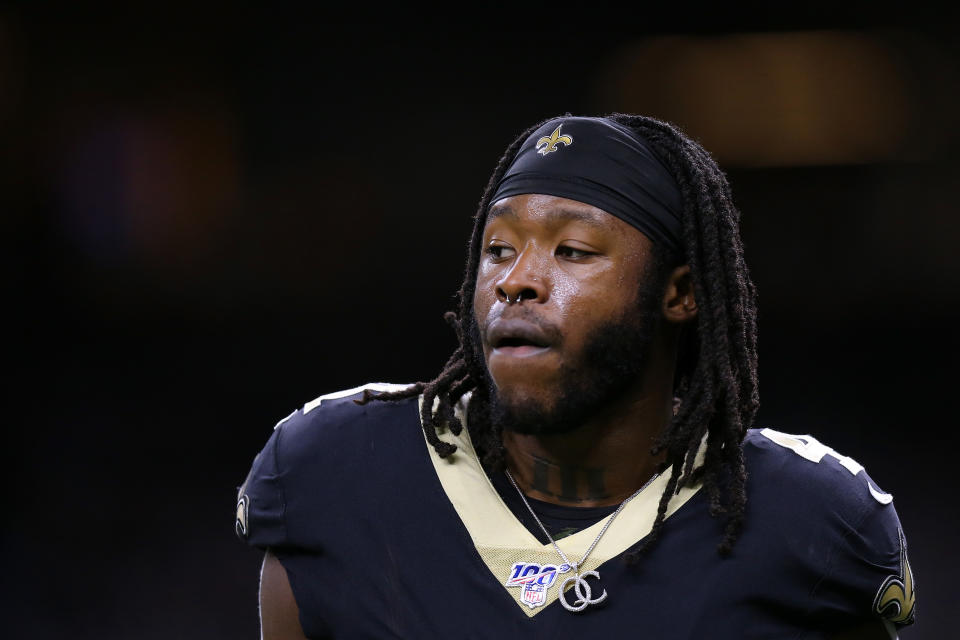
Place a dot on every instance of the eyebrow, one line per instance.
(555, 216)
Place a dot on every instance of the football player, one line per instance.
(586, 464)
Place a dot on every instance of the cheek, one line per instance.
(583, 293)
(485, 293)
(484, 274)
(483, 297)
(564, 291)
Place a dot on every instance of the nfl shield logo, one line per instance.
(534, 581)
(534, 594)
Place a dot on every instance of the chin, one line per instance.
(548, 394)
(528, 413)
(563, 402)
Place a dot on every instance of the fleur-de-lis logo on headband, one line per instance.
(549, 144)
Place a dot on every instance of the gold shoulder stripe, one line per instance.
(346, 393)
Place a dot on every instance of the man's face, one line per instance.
(582, 327)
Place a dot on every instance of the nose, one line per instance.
(525, 280)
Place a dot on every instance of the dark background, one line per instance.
(211, 218)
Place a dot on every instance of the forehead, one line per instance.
(553, 212)
(548, 210)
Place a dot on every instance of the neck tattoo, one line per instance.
(572, 481)
(580, 587)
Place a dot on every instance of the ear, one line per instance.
(679, 303)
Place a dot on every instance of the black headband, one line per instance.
(601, 163)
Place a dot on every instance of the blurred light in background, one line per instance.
(217, 217)
(156, 184)
(778, 99)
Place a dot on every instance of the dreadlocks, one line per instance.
(716, 379)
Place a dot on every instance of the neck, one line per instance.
(607, 458)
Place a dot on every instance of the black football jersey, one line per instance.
(382, 538)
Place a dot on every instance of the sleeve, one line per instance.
(261, 507)
(868, 573)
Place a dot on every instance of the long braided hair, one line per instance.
(716, 374)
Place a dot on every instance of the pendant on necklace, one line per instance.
(534, 590)
(582, 590)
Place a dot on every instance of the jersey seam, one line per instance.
(862, 516)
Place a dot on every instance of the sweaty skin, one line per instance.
(574, 268)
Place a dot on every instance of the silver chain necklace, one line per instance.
(580, 586)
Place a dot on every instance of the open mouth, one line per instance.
(520, 350)
(518, 338)
(517, 342)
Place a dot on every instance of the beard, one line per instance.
(610, 363)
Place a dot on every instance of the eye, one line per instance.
(500, 251)
(573, 253)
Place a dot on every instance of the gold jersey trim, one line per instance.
(502, 540)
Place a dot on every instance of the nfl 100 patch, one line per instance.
(534, 580)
